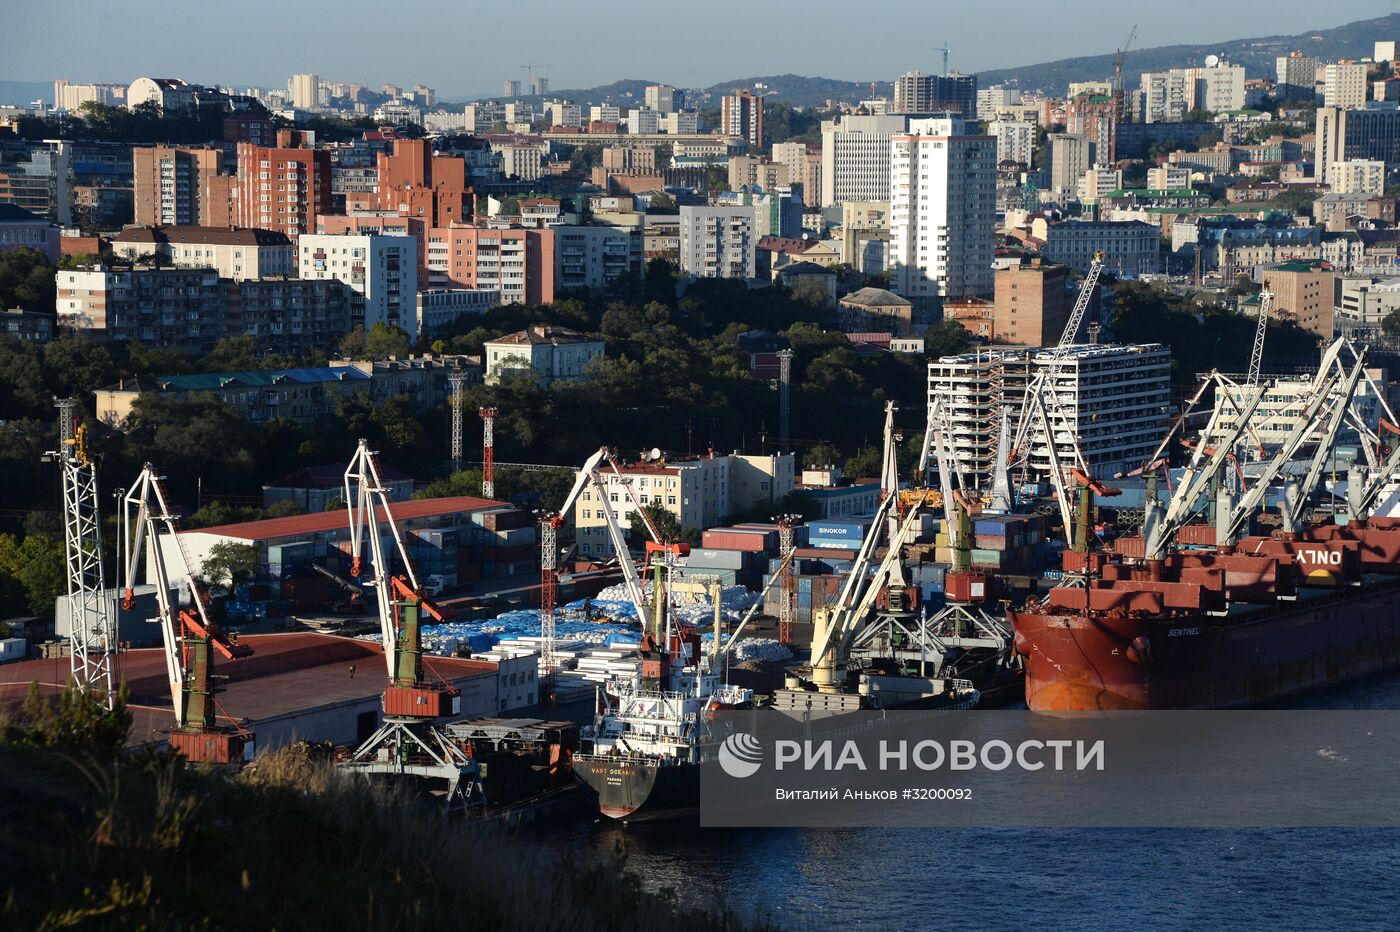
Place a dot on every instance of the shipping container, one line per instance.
(505, 520)
(514, 537)
(717, 559)
(731, 539)
(849, 529)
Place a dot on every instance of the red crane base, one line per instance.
(210, 747)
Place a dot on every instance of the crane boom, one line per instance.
(187, 636)
(1256, 355)
(1081, 304)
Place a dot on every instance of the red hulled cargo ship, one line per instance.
(1215, 628)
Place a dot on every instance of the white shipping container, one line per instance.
(13, 649)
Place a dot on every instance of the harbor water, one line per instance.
(1014, 878)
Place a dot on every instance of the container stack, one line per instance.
(735, 555)
(504, 542)
(834, 534)
(1007, 543)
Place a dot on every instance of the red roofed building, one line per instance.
(302, 686)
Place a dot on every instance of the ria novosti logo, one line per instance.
(740, 755)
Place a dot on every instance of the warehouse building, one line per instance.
(294, 687)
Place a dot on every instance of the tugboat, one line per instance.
(641, 756)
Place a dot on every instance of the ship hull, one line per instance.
(1078, 662)
(640, 790)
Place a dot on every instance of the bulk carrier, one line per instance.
(1203, 615)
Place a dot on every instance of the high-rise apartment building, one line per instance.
(741, 114)
(1015, 140)
(1344, 84)
(1113, 401)
(1295, 76)
(382, 270)
(1170, 95)
(1369, 132)
(1031, 305)
(1357, 176)
(517, 262)
(663, 98)
(283, 188)
(68, 96)
(856, 158)
(718, 242)
(804, 167)
(512, 87)
(1070, 157)
(918, 93)
(181, 186)
(942, 212)
(304, 91)
(414, 182)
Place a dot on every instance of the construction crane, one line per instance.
(92, 633)
(409, 741)
(456, 382)
(488, 452)
(1041, 407)
(189, 639)
(944, 49)
(1256, 354)
(1118, 109)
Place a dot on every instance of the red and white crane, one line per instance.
(188, 637)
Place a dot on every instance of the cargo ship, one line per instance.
(641, 757)
(1194, 615)
(1212, 630)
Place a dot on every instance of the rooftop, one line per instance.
(211, 381)
(287, 673)
(201, 236)
(13, 213)
(301, 525)
(876, 297)
(541, 334)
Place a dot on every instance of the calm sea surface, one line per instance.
(1017, 878)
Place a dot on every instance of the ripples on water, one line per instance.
(1319, 879)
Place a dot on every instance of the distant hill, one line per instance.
(1354, 40)
(22, 93)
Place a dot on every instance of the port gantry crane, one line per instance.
(408, 743)
(189, 639)
(853, 629)
(92, 632)
(1328, 402)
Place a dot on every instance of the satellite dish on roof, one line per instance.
(655, 453)
(1212, 61)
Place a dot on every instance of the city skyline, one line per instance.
(120, 36)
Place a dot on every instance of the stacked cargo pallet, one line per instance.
(1009, 543)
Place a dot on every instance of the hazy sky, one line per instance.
(466, 48)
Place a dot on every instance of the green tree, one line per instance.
(385, 340)
(27, 280)
(229, 562)
(946, 338)
(1391, 324)
(820, 456)
(37, 564)
(668, 526)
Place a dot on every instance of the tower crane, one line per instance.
(92, 633)
(1256, 354)
(409, 741)
(188, 637)
(1041, 407)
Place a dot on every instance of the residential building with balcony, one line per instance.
(233, 253)
(596, 256)
(718, 242)
(517, 262)
(381, 269)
